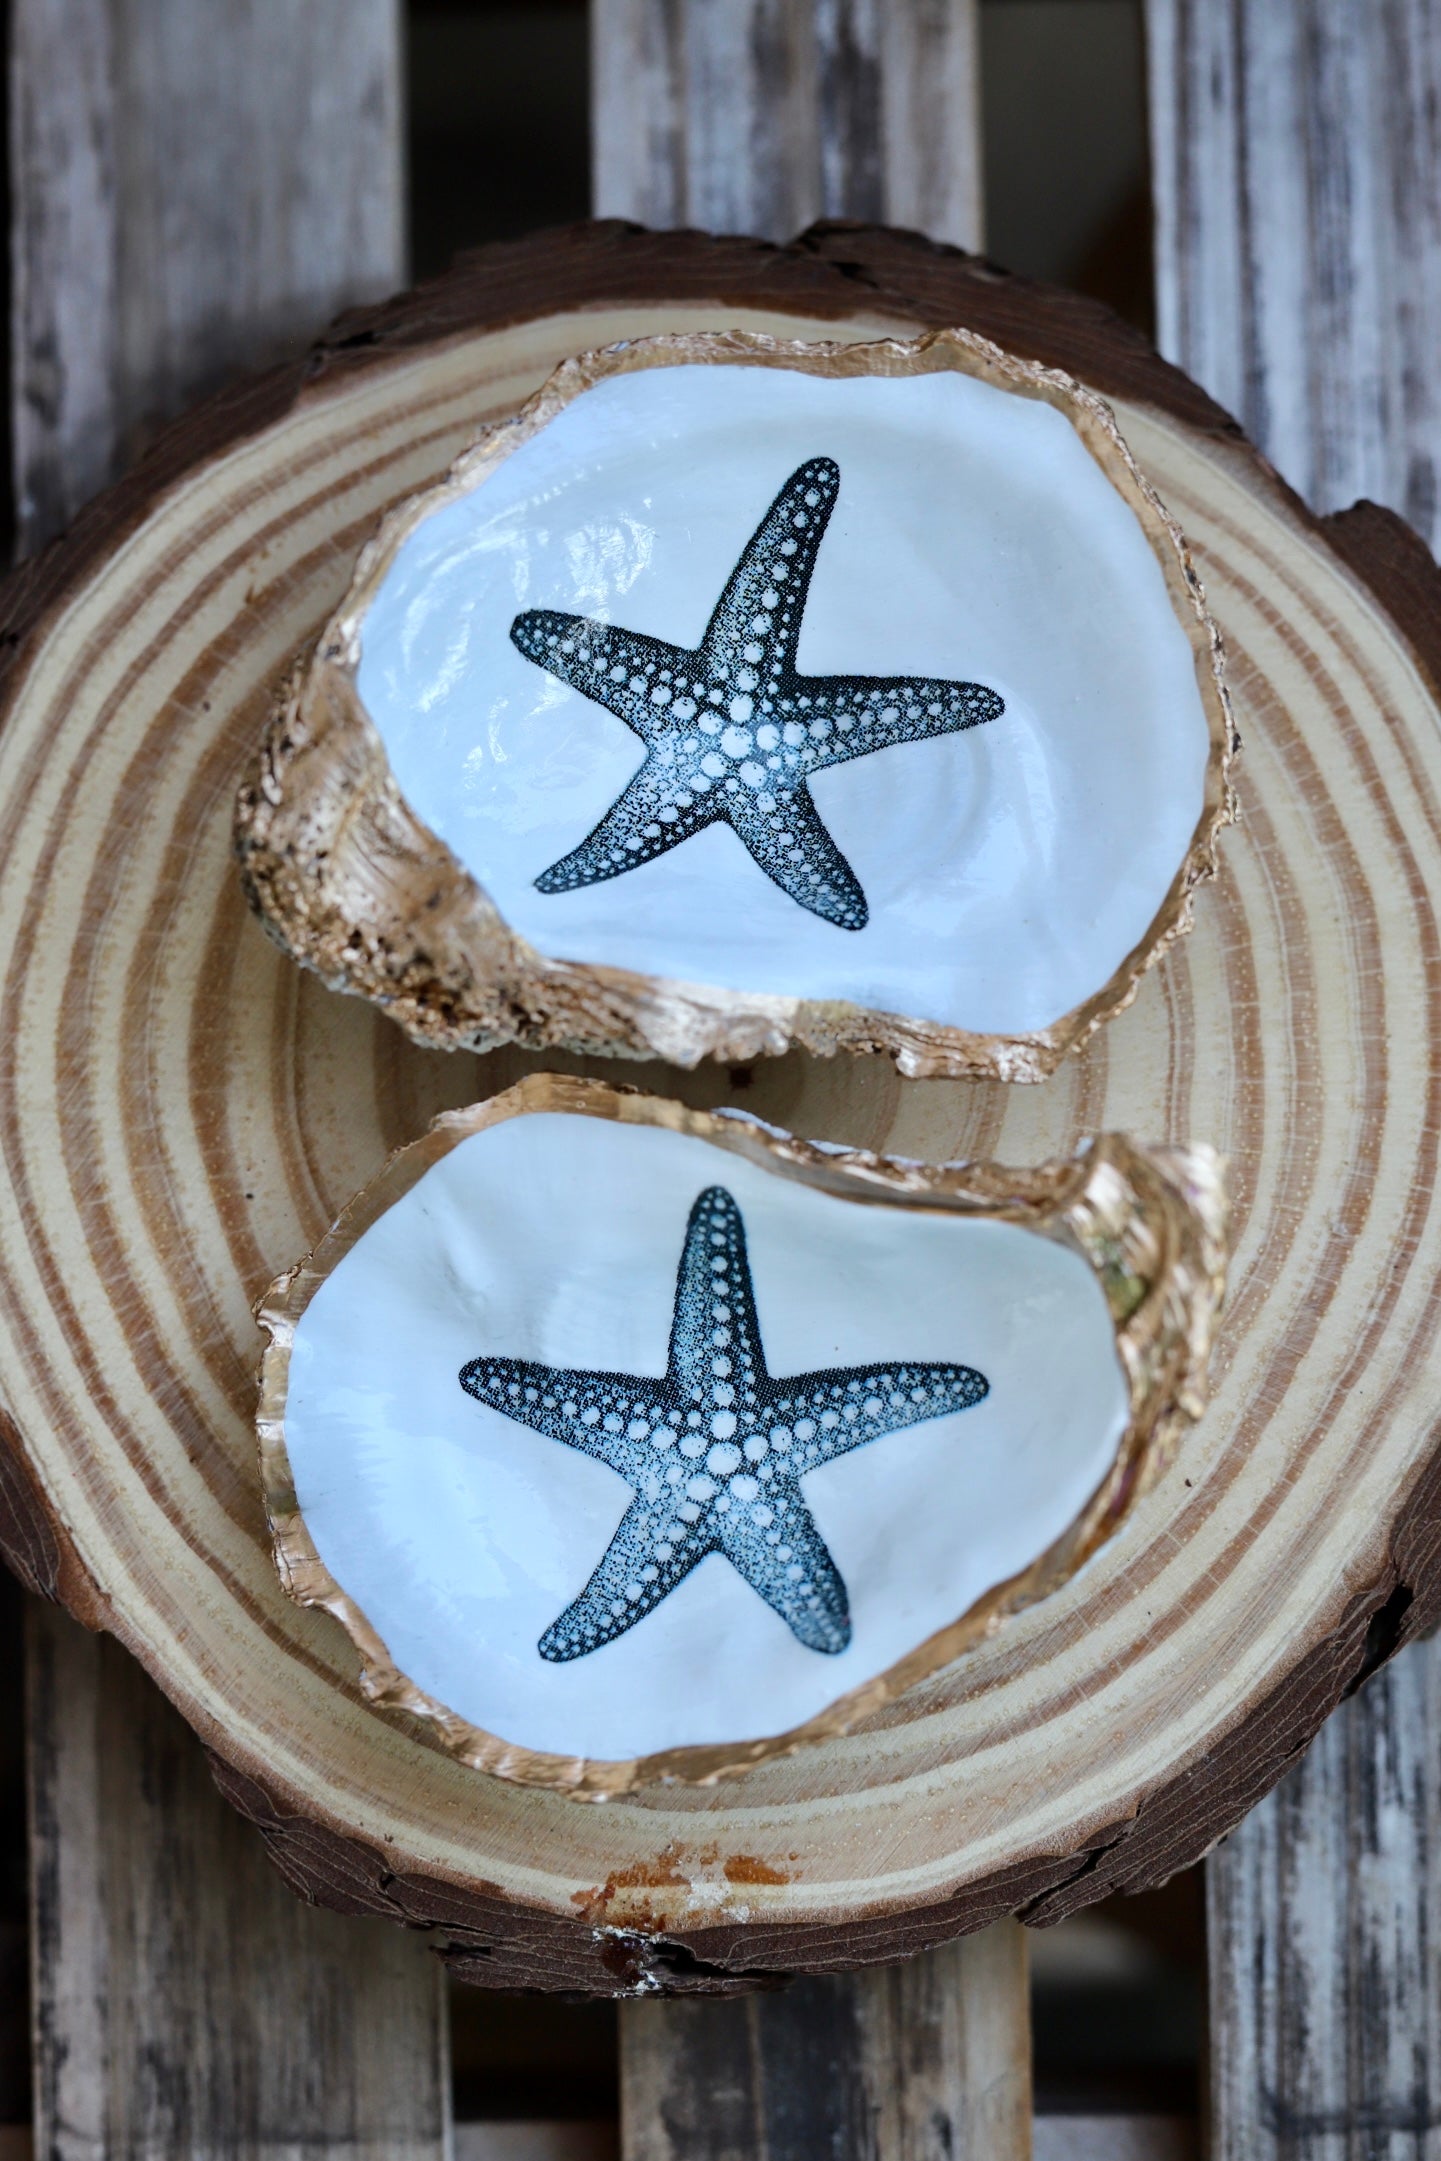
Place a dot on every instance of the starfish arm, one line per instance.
(848, 716)
(796, 1576)
(757, 620)
(619, 1418)
(640, 1567)
(652, 813)
(715, 1336)
(795, 851)
(635, 677)
(828, 1414)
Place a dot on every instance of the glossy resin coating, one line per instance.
(637, 1442)
(741, 694)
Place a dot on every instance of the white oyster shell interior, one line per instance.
(1006, 869)
(992, 1408)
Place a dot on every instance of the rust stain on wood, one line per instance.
(749, 1868)
(702, 1877)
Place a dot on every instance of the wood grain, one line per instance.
(758, 116)
(187, 202)
(1323, 1911)
(188, 2003)
(1296, 159)
(928, 2061)
(1298, 172)
(179, 1112)
(189, 194)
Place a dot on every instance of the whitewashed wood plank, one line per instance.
(638, 144)
(931, 90)
(192, 190)
(1324, 1915)
(926, 2061)
(1296, 149)
(759, 116)
(945, 2051)
(185, 2001)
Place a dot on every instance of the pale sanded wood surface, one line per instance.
(1324, 1915)
(757, 116)
(1297, 171)
(924, 2061)
(180, 1114)
(190, 191)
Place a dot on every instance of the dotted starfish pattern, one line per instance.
(733, 732)
(716, 1450)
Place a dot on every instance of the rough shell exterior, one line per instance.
(350, 882)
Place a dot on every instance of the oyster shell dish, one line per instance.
(740, 694)
(632, 1443)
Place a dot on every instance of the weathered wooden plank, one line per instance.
(1297, 173)
(192, 190)
(946, 2051)
(931, 121)
(1296, 153)
(186, 2001)
(758, 116)
(1324, 1914)
(192, 193)
(926, 2061)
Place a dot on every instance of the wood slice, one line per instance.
(182, 1113)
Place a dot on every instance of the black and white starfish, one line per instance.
(715, 1451)
(732, 731)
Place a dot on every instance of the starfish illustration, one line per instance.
(732, 731)
(716, 1449)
